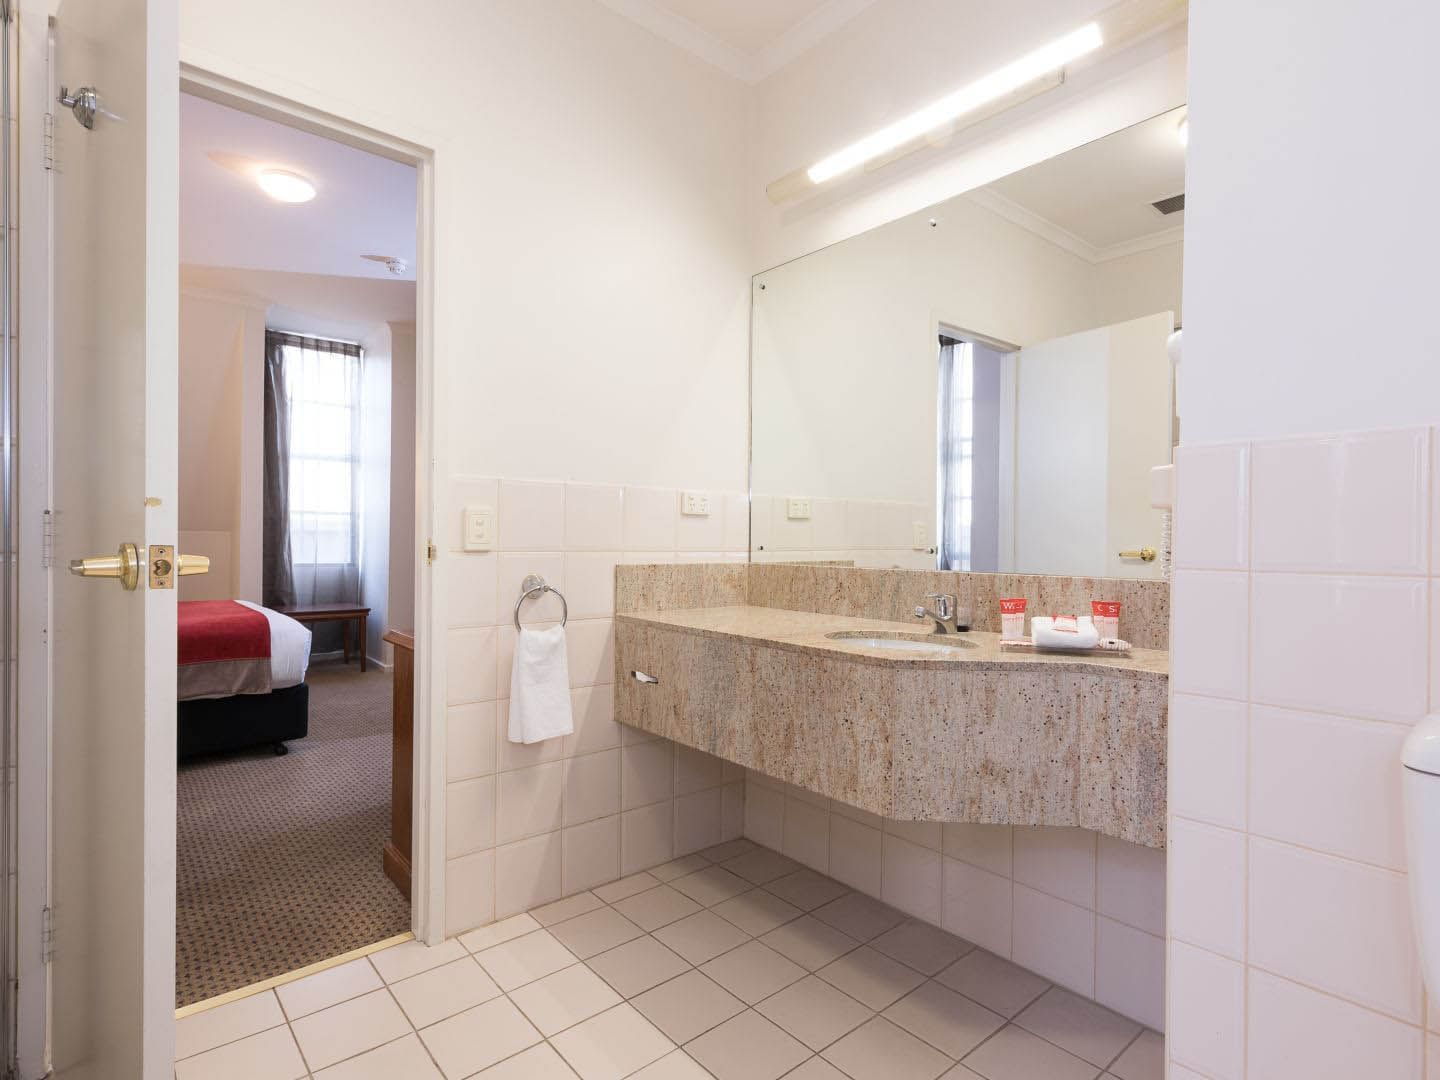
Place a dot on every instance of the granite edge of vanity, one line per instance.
(906, 737)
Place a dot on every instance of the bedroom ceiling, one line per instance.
(364, 204)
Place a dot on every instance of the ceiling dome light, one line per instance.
(286, 187)
(1182, 131)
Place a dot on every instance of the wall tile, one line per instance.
(924, 833)
(1335, 925)
(647, 773)
(469, 816)
(855, 852)
(470, 666)
(1212, 507)
(1328, 783)
(1355, 503)
(513, 568)
(1055, 939)
(911, 880)
(593, 708)
(732, 811)
(650, 519)
(532, 516)
(1205, 1026)
(590, 583)
(590, 854)
(828, 526)
(469, 740)
(978, 906)
(985, 846)
(807, 835)
(1207, 759)
(1354, 646)
(592, 787)
(787, 534)
(1131, 885)
(701, 533)
(594, 516)
(765, 815)
(527, 874)
(590, 651)
(1295, 1031)
(647, 837)
(469, 891)
(1210, 633)
(695, 770)
(697, 820)
(530, 801)
(514, 755)
(1130, 972)
(1058, 861)
(470, 588)
(1207, 887)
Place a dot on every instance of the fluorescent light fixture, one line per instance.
(1043, 61)
(286, 187)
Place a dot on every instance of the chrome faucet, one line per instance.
(945, 613)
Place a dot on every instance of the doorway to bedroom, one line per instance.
(298, 481)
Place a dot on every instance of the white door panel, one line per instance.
(115, 437)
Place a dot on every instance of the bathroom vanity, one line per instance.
(886, 717)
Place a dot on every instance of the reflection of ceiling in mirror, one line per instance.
(1100, 193)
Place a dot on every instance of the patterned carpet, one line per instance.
(279, 857)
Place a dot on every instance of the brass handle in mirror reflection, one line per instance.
(125, 566)
(1145, 554)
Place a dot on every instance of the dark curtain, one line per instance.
(277, 575)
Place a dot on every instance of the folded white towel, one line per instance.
(540, 687)
(1064, 632)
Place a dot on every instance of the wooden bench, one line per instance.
(345, 614)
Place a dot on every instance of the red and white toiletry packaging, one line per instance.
(1012, 619)
(1106, 616)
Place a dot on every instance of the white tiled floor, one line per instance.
(694, 970)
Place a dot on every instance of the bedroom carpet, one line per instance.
(278, 858)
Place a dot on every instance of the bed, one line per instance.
(241, 677)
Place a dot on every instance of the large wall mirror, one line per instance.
(983, 385)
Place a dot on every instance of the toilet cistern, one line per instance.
(1420, 777)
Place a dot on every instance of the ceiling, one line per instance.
(327, 305)
(365, 204)
(749, 39)
(1100, 193)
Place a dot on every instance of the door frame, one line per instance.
(296, 107)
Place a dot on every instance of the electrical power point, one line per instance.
(695, 503)
(797, 509)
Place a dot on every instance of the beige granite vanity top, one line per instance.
(804, 631)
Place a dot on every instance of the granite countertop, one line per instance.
(805, 631)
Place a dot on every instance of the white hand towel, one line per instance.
(540, 687)
(1064, 632)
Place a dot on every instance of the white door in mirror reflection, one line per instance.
(1092, 416)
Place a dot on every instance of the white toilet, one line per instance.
(1421, 760)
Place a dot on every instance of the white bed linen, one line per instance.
(289, 648)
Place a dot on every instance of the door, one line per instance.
(1092, 418)
(114, 435)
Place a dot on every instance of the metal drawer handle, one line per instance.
(640, 676)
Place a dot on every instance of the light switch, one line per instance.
(797, 509)
(919, 536)
(478, 525)
(695, 503)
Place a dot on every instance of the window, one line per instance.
(957, 452)
(322, 385)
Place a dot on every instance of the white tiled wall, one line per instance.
(1303, 649)
(865, 532)
(527, 824)
(1082, 909)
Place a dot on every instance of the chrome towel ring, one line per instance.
(534, 585)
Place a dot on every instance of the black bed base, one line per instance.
(215, 725)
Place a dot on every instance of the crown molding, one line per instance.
(749, 68)
(1061, 237)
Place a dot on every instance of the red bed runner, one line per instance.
(224, 649)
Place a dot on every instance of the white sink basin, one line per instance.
(928, 643)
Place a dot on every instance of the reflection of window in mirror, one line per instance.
(970, 433)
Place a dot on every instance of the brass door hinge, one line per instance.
(431, 554)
